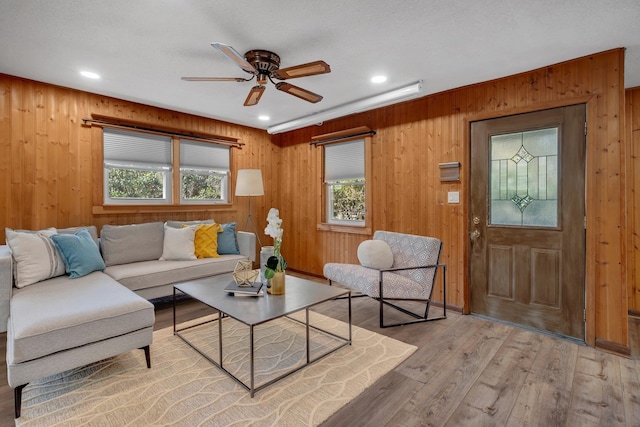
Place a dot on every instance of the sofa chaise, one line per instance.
(69, 320)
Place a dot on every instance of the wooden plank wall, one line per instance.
(414, 137)
(50, 176)
(632, 138)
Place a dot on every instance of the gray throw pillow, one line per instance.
(122, 244)
(179, 224)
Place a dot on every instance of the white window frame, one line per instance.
(166, 188)
(196, 163)
(224, 175)
(340, 174)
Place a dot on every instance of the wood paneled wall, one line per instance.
(414, 137)
(47, 166)
(50, 176)
(632, 139)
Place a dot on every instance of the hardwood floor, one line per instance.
(472, 371)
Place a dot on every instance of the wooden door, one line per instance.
(528, 219)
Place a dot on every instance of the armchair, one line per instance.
(410, 278)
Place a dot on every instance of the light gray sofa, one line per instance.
(62, 323)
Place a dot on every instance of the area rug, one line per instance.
(182, 388)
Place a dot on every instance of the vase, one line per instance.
(265, 253)
(277, 284)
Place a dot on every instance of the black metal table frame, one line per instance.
(221, 315)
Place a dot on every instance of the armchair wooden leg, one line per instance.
(17, 397)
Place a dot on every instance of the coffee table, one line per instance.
(300, 294)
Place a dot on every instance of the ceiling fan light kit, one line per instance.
(377, 101)
(264, 65)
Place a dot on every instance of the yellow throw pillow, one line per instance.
(206, 240)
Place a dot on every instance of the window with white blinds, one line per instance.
(344, 176)
(137, 167)
(204, 172)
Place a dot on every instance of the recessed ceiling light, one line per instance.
(264, 118)
(378, 79)
(90, 75)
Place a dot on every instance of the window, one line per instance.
(344, 175)
(139, 169)
(204, 171)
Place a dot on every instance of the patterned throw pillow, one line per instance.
(206, 241)
(36, 256)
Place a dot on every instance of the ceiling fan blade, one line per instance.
(254, 96)
(302, 70)
(233, 55)
(213, 79)
(299, 92)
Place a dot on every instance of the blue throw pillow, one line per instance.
(227, 241)
(79, 252)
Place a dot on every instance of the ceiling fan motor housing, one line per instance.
(264, 61)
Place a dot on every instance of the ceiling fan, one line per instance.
(265, 65)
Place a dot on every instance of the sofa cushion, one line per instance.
(122, 244)
(93, 231)
(148, 274)
(367, 281)
(227, 240)
(94, 308)
(80, 253)
(35, 254)
(178, 244)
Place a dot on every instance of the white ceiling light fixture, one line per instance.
(378, 79)
(377, 101)
(264, 118)
(90, 75)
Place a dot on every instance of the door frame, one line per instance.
(589, 286)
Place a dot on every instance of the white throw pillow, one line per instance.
(375, 254)
(178, 244)
(37, 257)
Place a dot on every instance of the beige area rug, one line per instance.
(182, 388)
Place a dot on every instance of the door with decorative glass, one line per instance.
(528, 219)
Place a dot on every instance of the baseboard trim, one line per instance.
(613, 347)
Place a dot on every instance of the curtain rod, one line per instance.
(340, 138)
(165, 132)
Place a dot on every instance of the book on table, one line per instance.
(254, 290)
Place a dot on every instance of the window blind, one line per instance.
(344, 161)
(123, 148)
(201, 155)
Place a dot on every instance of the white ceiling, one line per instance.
(141, 48)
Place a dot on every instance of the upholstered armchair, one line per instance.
(402, 269)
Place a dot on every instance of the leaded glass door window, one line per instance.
(524, 178)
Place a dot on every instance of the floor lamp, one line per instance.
(249, 184)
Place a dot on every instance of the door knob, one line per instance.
(475, 234)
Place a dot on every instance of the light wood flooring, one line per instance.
(469, 371)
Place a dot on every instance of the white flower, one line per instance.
(274, 227)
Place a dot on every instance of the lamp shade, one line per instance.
(249, 183)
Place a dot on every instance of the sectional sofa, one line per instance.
(68, 298)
